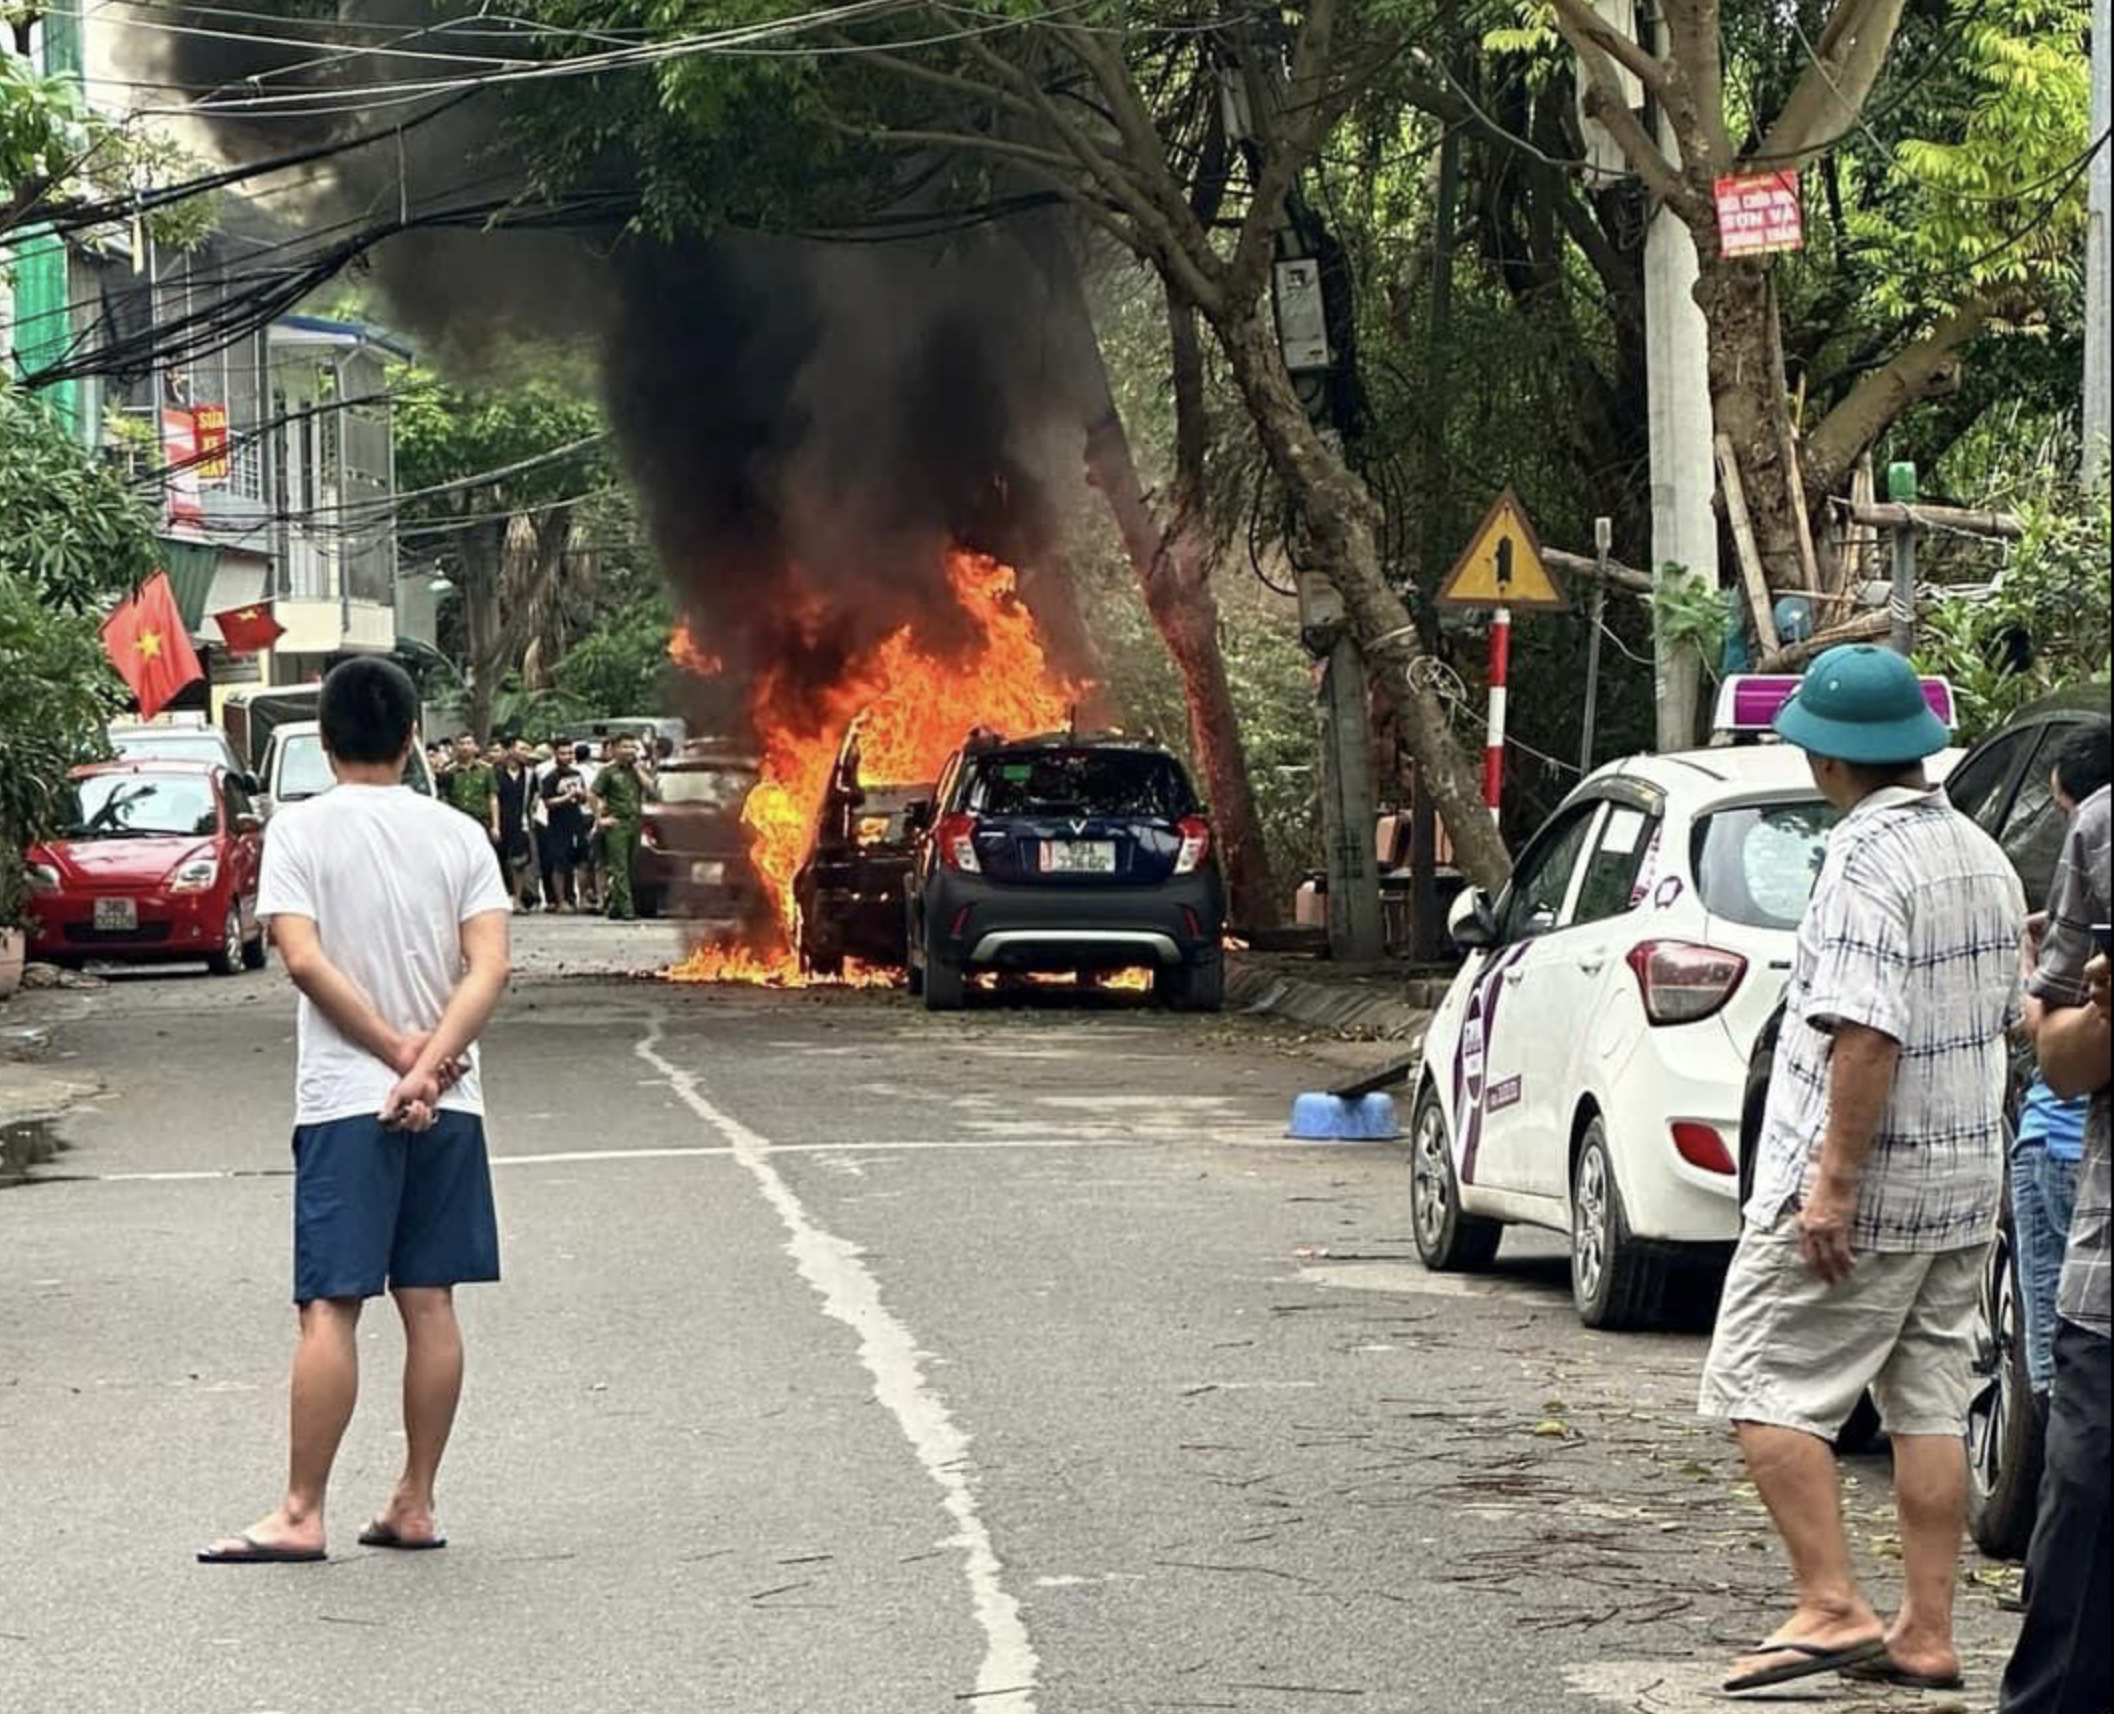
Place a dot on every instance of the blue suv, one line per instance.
(1066, 853)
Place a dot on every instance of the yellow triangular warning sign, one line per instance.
(1502, 566)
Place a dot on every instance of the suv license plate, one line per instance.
(1078, 857)
(708, 874)
(116, 916)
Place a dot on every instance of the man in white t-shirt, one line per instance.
(390, 913)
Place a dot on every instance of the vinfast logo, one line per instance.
(1472, 1055)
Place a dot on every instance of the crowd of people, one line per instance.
(564, 818)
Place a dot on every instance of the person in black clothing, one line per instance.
(564, 791)
(514, 783)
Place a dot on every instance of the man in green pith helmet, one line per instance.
(620, 807)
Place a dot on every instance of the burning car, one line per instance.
(850, 890)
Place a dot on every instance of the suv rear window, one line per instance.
(1757, 865)
(1079, 782)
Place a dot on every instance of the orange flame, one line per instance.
(689, 654)
(913, 706)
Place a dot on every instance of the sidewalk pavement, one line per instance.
(1389, 1001)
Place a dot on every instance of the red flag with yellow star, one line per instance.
(245, 630)
(148, 645)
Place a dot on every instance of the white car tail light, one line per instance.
(1683, 983)
(1196, 845)
(956, 836)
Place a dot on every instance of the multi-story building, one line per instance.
(269, 448)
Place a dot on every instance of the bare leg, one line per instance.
(326, 1385)
(1795, 1474)
(432, 1388)
(1930, 1489)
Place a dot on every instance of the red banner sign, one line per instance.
(179, 446)
(212, 421)
(1760, 214)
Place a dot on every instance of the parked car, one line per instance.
(693, 853)
(1066, 853)
(2004, 784)
(850, 889)
(295, 767)
(157, 863)
(173, 741)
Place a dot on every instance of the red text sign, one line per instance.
(1759, 214)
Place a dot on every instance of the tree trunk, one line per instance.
(484, 625)
(1174, 571)
(1749, 404)
(1342, 525)
(1174, 568)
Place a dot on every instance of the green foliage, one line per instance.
(1690, 612)
(72, 530)
(445, 433)
(56, 694)
(2055, 590)
(622, 666)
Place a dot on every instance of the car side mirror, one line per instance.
(249, 823)
(1472, 922)
(250, 783)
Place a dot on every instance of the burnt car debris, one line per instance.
(850, 890)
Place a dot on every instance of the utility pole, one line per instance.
(1677, 386)
(2099, 230)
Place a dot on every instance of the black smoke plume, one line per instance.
(810, 425)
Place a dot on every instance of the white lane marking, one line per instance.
(588, 1157)
(1007, 1680)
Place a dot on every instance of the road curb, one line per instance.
(1370, 1011)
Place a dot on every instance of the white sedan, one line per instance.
(1587, 1067)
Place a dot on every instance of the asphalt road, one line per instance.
(850, 1362)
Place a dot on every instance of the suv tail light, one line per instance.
(956, 836)
(1682, 983)
(1701, 1145)
(1196, 844)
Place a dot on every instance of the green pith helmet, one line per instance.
(1863, 704)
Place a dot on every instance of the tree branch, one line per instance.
(1831, 95)
(1579, 22)
(1608, 102)
(1836, 443)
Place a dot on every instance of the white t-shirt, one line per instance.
(388, 877)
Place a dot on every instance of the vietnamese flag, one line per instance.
(147, 643)
(248, 629)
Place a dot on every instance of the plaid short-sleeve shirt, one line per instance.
(1913, 931)
(2079, 901)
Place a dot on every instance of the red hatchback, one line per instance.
(158, 863)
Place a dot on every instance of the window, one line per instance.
(1542, 881)
(137, 806)
(1611, 873)
(303, 768)
(1080, 782)
(1977, 784)
(1757, 865)
(2033, 831)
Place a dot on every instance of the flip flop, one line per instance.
(1813, 1660)
(249, 1551)
(1887, 1671)
(379, 1534)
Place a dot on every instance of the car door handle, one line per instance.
(1513, 976)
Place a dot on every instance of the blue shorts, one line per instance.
(375, 1209)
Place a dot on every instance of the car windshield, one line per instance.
(709, 788)
(304, 768)
(1080, 782)
(169, 746)
(1757, 864)
(140, 806)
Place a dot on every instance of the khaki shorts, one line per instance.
(1793, 1352)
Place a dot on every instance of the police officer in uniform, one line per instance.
(620, 806)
